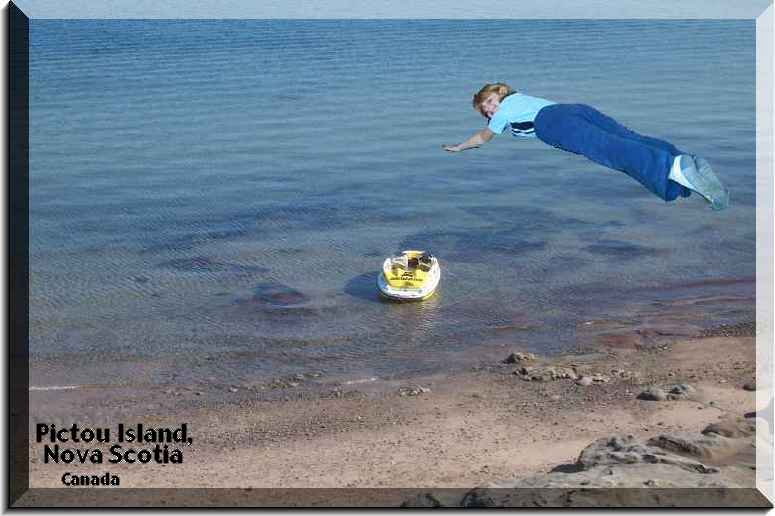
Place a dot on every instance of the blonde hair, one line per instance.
(502, 89)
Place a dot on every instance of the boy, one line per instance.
(656, 164)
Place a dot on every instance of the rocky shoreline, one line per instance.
(719, 462)
(676, 416)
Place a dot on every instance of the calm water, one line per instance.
(230, 188)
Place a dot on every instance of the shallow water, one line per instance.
(231, 187)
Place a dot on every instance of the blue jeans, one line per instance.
(581, 129)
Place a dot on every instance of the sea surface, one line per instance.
(213, 199)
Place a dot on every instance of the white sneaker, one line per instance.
(695, 173)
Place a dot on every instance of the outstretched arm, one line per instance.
(481, 137)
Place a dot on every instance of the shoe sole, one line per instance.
(706, 183)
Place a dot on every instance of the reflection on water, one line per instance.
(231, 188)
(364, 287)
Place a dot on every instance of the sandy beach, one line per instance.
(502, 420)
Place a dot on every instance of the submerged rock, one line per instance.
(275, 294)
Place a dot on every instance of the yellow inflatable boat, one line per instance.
(412, 276)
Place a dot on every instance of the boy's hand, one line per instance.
(480, 138)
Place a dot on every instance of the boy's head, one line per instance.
(487, 100)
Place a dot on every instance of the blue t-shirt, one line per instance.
(517, 112)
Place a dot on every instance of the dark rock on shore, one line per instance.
(653, 394)
(676, 392)
(546, 373)
(519, 357)
(681, 391)
(414, 390)
(693, 470)
(627, 450)
(732, 429)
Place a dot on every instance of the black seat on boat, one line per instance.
(425, 262)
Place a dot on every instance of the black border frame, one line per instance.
(18, 252)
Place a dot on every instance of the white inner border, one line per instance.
(765, 95)
(396, 9)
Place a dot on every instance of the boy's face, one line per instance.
(490, 105)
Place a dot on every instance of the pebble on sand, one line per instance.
(681, 391)
(413, 391)
(518, 357)
(546, 374)
(653, 394)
